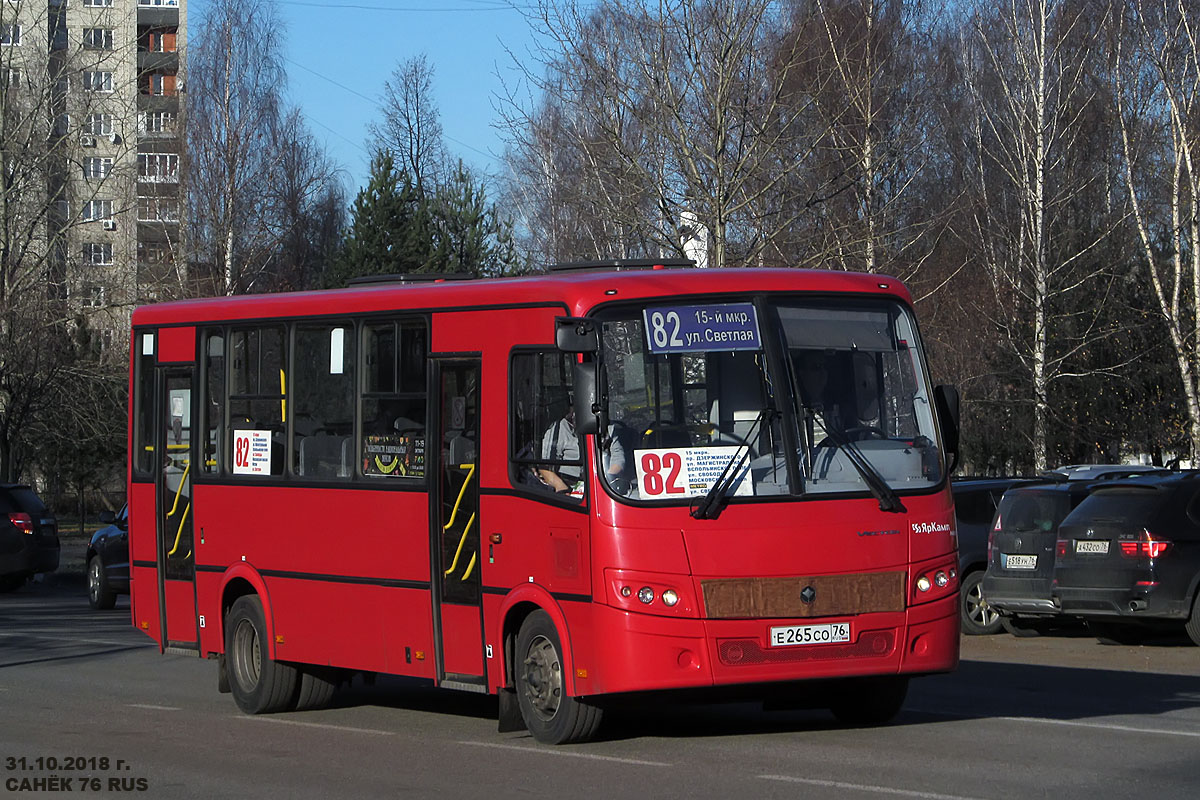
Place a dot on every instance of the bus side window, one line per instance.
(323, 401)
(394, 400)
(258, 400)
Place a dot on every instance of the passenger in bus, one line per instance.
(813, 378)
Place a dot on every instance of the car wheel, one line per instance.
(550, 713)
(1117, 633)
(1021, 628)
(977, 617)
(100, 594)
(259, 684)
(869, 701)
(1193, 623)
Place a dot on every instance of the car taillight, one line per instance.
(1146, 546)
(1060, 547)
(22, 522)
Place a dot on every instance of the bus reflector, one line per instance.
(581, 673)
(420, 654)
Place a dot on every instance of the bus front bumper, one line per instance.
(639, 652)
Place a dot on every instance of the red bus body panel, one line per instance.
(344, 572)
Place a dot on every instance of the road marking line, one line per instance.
(74, 640)
(863, 787)
(1066, 722)
(1104, 726)
(324, 725)
(154, 708)
(590, 756)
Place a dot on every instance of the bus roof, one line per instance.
(579, 291)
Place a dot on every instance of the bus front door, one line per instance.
(458, 608)
(176, 556)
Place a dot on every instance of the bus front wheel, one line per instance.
(550, 713)
(259, 684)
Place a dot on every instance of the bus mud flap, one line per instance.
(510, 712)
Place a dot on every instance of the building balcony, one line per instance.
(158, 62)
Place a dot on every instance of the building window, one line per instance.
(156, 122)
(12, 78)
(98, 125)
(62, 124)
(92, 296)
(97, 39)
(145, 3)
(159, 42)
(94, 210)
(10, 34)
(98, 81)
(98, 254)
(158, 209)
(154, 253)
(98, 3)
(97, 167)
(160, 84)
(158, 167)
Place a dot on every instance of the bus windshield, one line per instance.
(783, 397)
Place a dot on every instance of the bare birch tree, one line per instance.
(654, 114)
(411, 127)
(241, 142)
(1157, 56)
(1027, 74)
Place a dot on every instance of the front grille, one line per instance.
(742, 652)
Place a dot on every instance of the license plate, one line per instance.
(791, 635)
(1086, 546)
(1018, 561)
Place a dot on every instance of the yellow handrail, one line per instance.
(461, 492)
(462, 540)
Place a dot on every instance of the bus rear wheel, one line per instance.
(550, 713)
(259, 684)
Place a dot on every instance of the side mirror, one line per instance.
(945, 400)
(588, 408)
(576, 335)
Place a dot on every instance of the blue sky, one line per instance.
(340, 52)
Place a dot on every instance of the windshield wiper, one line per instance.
(711, 504)
(888, 499)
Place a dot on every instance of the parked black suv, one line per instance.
(1021, 547)
(1129, 559)
(28, 536)
(107, 560)
(975, 501)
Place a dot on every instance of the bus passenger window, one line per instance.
(323, 402)
(394, 399)
(258, 401)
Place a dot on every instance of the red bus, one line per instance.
(561, 489)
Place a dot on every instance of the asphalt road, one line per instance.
(88, 706)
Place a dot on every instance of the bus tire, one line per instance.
(550, 713)
(259, 684)
(869, 701)
(316, 688)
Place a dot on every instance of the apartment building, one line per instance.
(108, 78)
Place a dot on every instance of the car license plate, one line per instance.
(1086, 546)
(791, 635)
(1018, 561)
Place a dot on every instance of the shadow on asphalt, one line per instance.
(41, 623)
(977, 690)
